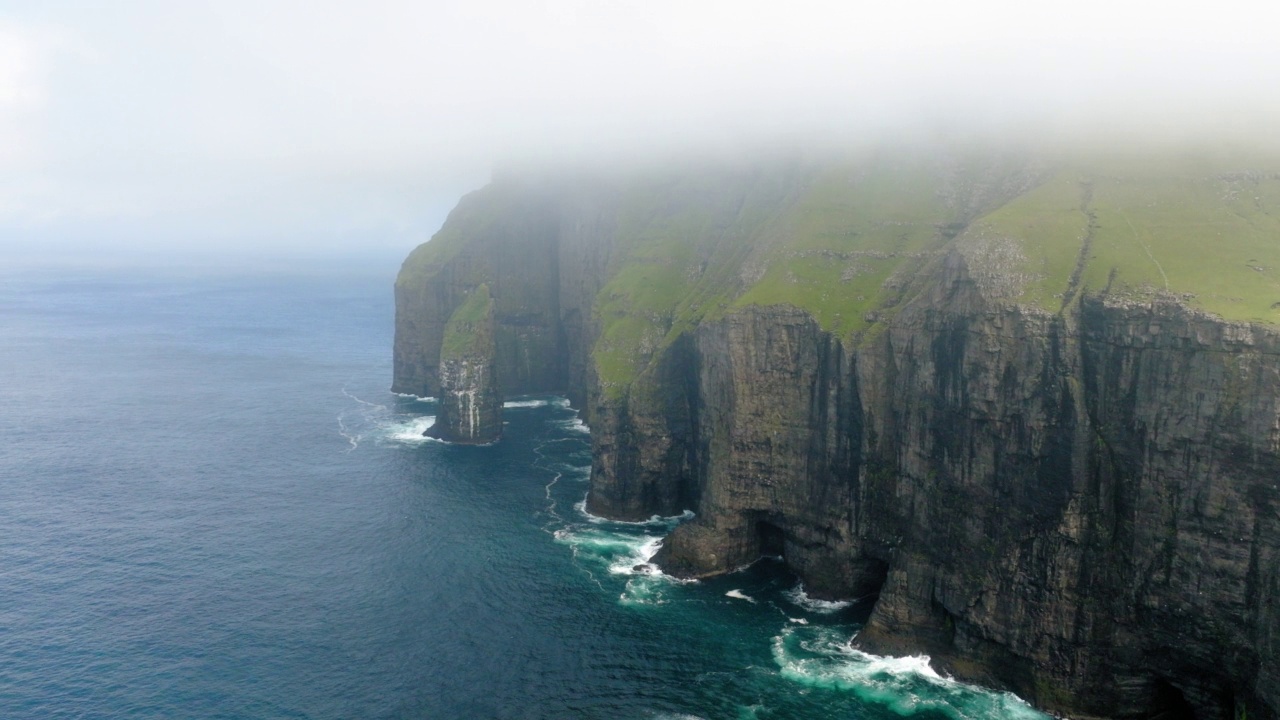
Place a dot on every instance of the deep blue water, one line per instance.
(211, 507)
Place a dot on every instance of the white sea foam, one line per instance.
(535, 402)
(637, 562)
(362, 401)
(625, 549)
(739, 595)
(668, 521)
(516, 404)
(619, 552)
(641, 591)
(418, 398)
(352, 438)
(622, 554)
(575, 425)
(817, 656)
(798, 596)
(567, 471)
(410, 431)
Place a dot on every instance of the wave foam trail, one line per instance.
(366, 403)
(383, 423)
(602, 548)
(529, 402)
(512, 404)
(667, 523)
(798, 597)
(739, 595)
(821, 657)
(410, 431)
(353, 439)
(416, 398)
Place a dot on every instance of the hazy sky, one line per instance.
(340, 124)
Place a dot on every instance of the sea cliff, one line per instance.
(1031, 402)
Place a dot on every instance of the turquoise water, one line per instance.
(212, 507)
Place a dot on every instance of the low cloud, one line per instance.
(245, 122)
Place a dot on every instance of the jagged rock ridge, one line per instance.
(992, 389)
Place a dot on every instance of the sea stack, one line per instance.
(470, 403)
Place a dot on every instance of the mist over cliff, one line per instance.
(233, 125)
(1028, 396)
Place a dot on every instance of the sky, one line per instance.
(325, 126)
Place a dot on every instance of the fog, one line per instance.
(343, 127)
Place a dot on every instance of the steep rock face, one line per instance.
(1082, 509)
(514, 252)
(1068, 490)
(469, 409)
(1186, 410)
(775, 451)
(642, 443)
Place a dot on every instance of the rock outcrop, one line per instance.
(966, 399)
(469, 408)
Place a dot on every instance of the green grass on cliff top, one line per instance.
(680, 241)
(831, 239)
(466, 328)
(851, 241)
(847, 243)
(1205, 231)
(844, 239)
(838, 239)
(475, 215)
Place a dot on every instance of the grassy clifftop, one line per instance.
(680, 247)
(846, 238)
(472, 218)
(469, 329)
(1204, 229)
(840, 238)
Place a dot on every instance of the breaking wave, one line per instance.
(625, 554)
(622, 550)
(797, 596)
(535, 403)
(667, 522)
(415, 398)
(409, 431)
(383, 424)
(821, 657)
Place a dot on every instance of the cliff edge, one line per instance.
(1031, 402)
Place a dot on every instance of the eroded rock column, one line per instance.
(470, 403)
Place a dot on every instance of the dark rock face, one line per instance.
(1083, 507)
(642, 447)
(775, 453)
(470, 404)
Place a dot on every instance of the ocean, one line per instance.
(212, 507)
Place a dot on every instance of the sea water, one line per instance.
(212, 507)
